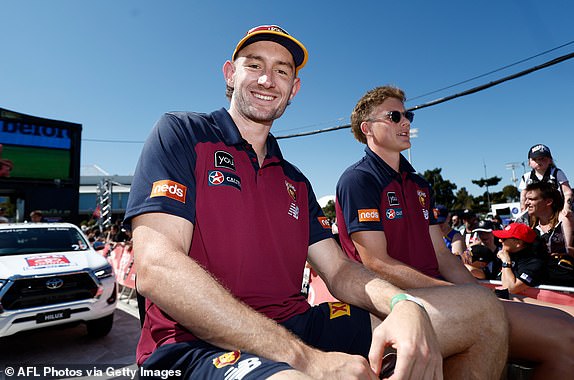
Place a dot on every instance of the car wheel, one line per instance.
(100, 327)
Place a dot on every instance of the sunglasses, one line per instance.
(395, 116)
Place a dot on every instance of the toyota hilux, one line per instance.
(50, 275)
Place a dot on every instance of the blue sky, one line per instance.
(116, 66)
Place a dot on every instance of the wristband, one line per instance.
(405, 297)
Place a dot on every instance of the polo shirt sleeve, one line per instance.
(359, 198)
(561, 176)
(319, 229)
(530, 271)
(164, 179)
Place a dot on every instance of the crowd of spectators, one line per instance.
(527, 252)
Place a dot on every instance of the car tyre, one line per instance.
(98, 328)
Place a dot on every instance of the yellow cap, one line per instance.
(276, 34)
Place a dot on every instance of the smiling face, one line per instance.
(536, 204)
(382, 132)
(263, 81)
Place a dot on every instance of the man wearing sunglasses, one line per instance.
(386, 221)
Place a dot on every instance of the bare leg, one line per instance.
(471, 327)
(543, 336)
(534, 301)
(291, 375)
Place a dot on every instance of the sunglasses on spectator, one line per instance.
(395, 116)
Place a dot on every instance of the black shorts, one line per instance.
(328, 327)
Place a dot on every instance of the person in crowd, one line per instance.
(544, 205)
(482, 252)
(452, 238)
(470, 221)
(36, 216)
(223, 288)
(383, 210)
(544, 170)
(456, 223)
(481, 262)
(497, 223)
(523, 265)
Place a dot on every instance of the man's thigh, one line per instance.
(200, 360)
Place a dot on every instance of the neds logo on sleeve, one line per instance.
(170, 189)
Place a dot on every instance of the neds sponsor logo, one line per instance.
(170, 189)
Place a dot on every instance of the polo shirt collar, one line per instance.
(231, 135)
(404, 164)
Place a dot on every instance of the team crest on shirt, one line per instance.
(229, 358)
(224, 159)
(393, 199)
(422, 197)
(291, 190)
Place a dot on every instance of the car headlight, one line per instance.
(104, 272)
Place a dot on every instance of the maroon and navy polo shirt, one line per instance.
(252, 225)
(371, 196)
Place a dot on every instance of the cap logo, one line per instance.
(272, 28)
(170, 189)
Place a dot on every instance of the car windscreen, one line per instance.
(17, 241)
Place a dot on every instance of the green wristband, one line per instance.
(405, 297)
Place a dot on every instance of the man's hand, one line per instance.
(338, 366)
(409, 331)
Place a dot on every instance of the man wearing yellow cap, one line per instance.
(222, 228)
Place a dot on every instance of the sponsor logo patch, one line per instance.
(291, 190)
(47, 261)
(170, 189)
(394, 213)
(229, 358)
(219, 178)
(293, 211)
(338, 309)
(393, 199)
(224, 159)
(369, 215)
(526, 278)
(243, 368)
(426, 213)
(324, 222)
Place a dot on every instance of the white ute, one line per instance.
(50, 275)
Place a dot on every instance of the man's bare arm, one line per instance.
(189, 294)
(450, 266)
(372, 247)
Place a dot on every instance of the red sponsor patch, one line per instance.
(47, 260)
(228, 358)
(324, 222)
(170, 189)
(369, 215)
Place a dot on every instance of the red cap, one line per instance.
(518, 231)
